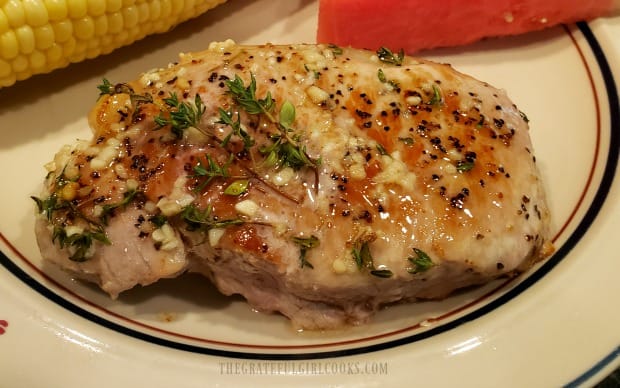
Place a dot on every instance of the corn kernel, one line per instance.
(113, 5)
(4, 22)
(25, 39)
(5, 68)
(63, 30)
(96, 8)
(154, 10)
(84, 28)
(15, 13)
(143, 12)
(77, 8)
(20, 64)
(8, 81)
(115, 23)
(43, 37)
(130, 17)
(56, 9)
(8, 45)
(54, 53)
(166, 9)
(68, 47)
(101, 25)
(36, 14)
(37, 60)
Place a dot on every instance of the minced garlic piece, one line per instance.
(222, 46)
(215, 235)
(247, 207)
(177, 200)
(317, 95)
(166, 237)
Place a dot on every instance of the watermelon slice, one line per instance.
(415, 25)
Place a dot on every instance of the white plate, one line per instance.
(557, 325)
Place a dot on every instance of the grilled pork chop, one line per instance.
(317, 181)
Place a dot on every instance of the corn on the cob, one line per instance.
(38, 36)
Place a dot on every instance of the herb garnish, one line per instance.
(285, 150)
(524, 116)
(464, 165)
(180, 115)
(79, 243)
(305, 244)
(210, 169)
(226, 117)
(387, 56)
(106, 87)
(203, 220)
(422, 262)
(237, 188)
(436, 99)
(108, 209)
(363, 258)
(245, 97)
(335, 49)
(407, 140)
(383, 79)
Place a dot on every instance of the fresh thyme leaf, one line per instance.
(361, 255)
(305, 244)
(49, 205)
(387, 56)
(383, 79)
(382, 150)
(335, 49)
(108, 209)
(407, 140)
(158, 220)
(180, 115)
(382, 273)
(246, 96)
(210, 169)
(78, 243)
(226, 117)
(436, 99)
(464, 165)
(422, 262)
(363, 259)
(203, 220)
(287, 114)
(236, 188)
(105, 87)
(285, 154)
(381, 76)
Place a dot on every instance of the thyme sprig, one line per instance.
(79, 243)
(180, 115)
(364, 260)
(285, 149)
(305, 244)
(421, 262)
(204, 220)
(245, 97)
(208, 169)
(226, 117)
(108, 209)
(106, 87)
(387, 56)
